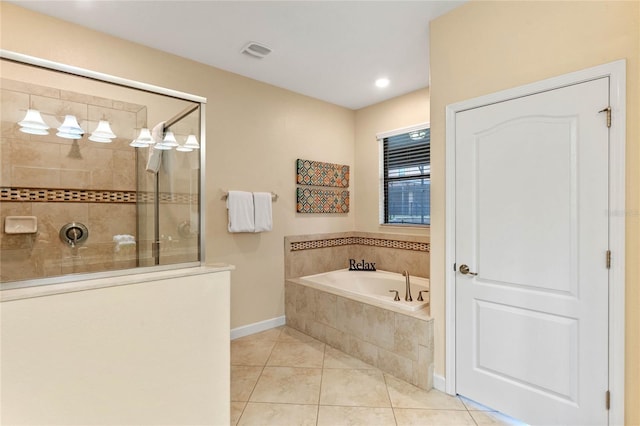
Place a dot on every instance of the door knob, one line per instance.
(464, 270)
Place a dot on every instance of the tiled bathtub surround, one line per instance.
(313, 254)
(399, 344)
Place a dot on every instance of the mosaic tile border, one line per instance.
(91, 196)
(322, 201)
(364, 241)
(66, 195)
(318, 173)
(168, 197)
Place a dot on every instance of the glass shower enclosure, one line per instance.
(100, 176)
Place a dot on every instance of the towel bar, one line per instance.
(225, 195)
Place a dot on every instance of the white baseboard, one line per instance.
(257, 327)
(439, 382)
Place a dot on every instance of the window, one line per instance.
(406, 176)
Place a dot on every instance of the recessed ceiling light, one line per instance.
(382, 82)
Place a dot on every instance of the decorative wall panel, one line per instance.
(322, 201)
(317, 173)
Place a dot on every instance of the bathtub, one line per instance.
(354, 312)
(372, 286)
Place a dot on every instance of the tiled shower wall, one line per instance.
(313, 254)
(61, 180)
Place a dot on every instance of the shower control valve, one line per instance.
(74, 233)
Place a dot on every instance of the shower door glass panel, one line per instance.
(53, 176)
(168, 215)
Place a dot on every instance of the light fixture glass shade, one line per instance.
(32, 131)
(143, 140)
(170, 140)
(70, 126)
(99, 139)
(162, 146)
(145, 137)
(102, 132)
(32, 122)
(192, 142)
(417, 135)
(69, 135)
(184, 148)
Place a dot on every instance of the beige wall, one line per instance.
(483, 47)
(402, 111)
(254, 134)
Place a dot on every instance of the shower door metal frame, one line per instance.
(137, 85)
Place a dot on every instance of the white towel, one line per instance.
(262, 211)
(155, 155)
(240, 206)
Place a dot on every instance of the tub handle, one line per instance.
(420, 299)
(397, 297)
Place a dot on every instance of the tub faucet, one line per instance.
(407, 294)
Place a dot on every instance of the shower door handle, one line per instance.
(464, 270)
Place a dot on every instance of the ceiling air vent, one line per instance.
(256, 50)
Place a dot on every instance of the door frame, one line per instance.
(616, 71)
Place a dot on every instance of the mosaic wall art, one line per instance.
(317, 173)
(322, 201)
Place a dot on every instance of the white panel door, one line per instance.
(532, 223)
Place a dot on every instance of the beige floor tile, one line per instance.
(243, 380)
(355, 416)
(412, 416)
(288, 385)
(292, 335)
(405, 395)
(236, 411)
(493, 418)
(472, 405)
(365, 388)
(297, 354)
(250, 352)
(334, 358)
(267, 414)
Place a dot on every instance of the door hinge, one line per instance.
(608, 259)
(608, 111)
(607, 399)
(454, 267)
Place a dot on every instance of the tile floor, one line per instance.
(281, 377)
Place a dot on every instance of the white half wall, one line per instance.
(150, 353)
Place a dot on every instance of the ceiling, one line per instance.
(329, 50)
